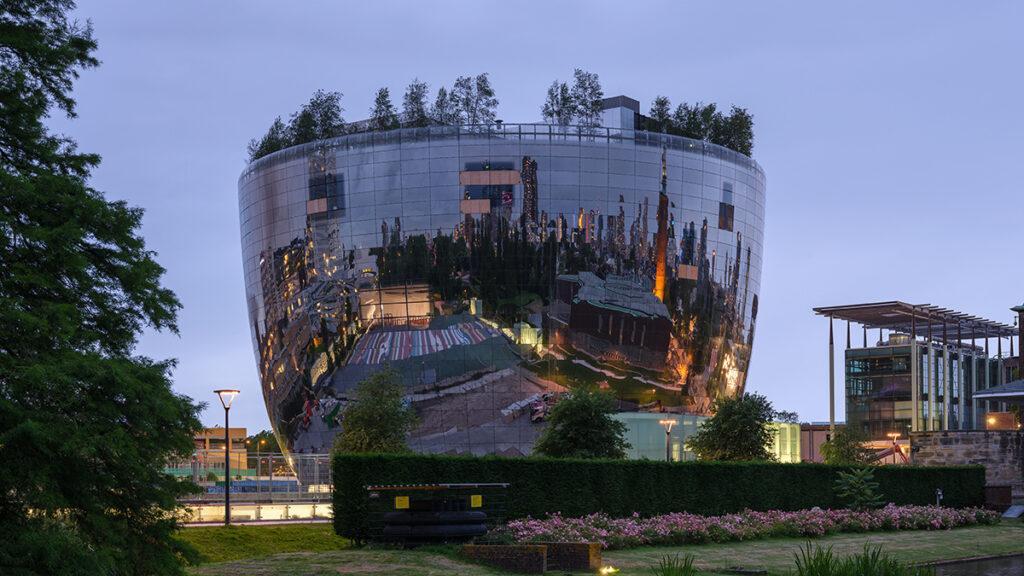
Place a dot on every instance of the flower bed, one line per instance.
(685, 528)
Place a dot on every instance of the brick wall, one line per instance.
(1000, 452)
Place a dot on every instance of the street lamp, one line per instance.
(668, 424)
(226, 398)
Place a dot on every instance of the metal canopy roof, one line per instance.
(1013, 389)
(919, 318)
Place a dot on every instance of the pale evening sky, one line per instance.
(890, 133)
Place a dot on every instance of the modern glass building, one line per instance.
(922, 371)
(493, 268)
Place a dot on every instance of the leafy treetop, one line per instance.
(739, 430)
(89, 425)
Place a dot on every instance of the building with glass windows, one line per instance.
(494, 267)
(927, 370)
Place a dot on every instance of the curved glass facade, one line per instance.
(492, 269)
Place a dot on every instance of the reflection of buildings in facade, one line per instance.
(613, 320)
(928, 369)
(437, 248)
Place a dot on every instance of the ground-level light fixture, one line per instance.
(227, 396)
(668, 423)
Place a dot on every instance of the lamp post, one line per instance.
(668, 424)
(226, 398)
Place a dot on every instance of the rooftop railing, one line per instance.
(509, 132)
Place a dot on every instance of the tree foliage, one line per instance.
(559, 107)
(846, 447)
(317, 119)
(704, 122)
(474, 99)
(444, 111)
(661, 114)
(378, 418)
(414, 105)
(586, 96)
(383, 115)
(858, 489)
(86, 427)
(263, 441)
(581, 426)
(740, 430)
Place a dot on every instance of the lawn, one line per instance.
(220, 544)
(315, 551)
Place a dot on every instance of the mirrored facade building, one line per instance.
(493, 268)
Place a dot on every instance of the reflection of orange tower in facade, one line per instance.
(661, 240)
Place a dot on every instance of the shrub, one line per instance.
(684, 528)
(859, 489)
(575, 487)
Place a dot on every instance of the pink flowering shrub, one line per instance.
(685, 528)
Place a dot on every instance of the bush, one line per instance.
(541, 486)
(859, 489)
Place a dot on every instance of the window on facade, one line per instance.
(726, 209)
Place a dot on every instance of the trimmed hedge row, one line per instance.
(540, 486)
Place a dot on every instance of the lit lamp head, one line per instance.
(894, 436)
(226, 397)
(668, 424)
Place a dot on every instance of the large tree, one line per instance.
(378, 419)
(383, 115)
(414, 105)
(739, 430)
(581, 426)
(86, 426)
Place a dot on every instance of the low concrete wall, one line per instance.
(1000, 452)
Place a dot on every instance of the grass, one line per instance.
(313, 550)
(220, 544)
(776, 555)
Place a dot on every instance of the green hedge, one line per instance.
(540, 486)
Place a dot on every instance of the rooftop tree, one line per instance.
(559, 107)
(474, 99)
(383, 115)
(318, 119)
(444, 110)
(276, 138)
(86, 425)
(414, 105)
(661, 114)
(586, 96)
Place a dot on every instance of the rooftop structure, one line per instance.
(619, 294)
